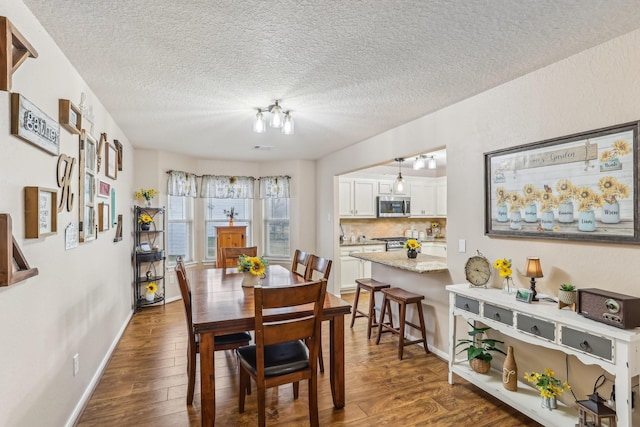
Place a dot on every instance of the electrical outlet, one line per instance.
(76, 364)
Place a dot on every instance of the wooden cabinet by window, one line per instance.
(229, 237)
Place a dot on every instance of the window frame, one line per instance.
(188, 204)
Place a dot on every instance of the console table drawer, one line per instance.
(587, 343)
(537, 327)
(498, 314)
(467, 304)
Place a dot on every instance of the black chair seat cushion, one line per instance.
(279, 359)
(229, 338)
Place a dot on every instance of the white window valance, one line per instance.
(182, 184)
(227, 187)
(275, 187)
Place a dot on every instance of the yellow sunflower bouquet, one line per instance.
(145, 219)
(546, 383)
(252, 264)
(503, 266)
(412, 244)
(152, 288)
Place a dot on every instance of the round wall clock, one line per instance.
(478, 270)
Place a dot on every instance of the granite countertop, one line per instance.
(398, 259)
(362, 242)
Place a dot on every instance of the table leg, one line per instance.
(207, 380)
(337, 360)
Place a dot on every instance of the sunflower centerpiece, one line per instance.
(412, 246)
(253, 268)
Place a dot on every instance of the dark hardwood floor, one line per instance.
(145, 384)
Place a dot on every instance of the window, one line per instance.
(214, 216)
(276, 228)
(180, 228)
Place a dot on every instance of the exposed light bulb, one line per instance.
(287, 125)
(398, 185)
(276, 116)
(432, 163)
(259, 126)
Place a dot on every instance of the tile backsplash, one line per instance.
(389, 227)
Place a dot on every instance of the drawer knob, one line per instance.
(585, 346)
(535, 330)
(496, 316)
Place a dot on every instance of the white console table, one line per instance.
(616, 350)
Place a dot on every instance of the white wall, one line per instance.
(81, 297)
(593, 89)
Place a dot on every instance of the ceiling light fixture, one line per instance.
(418, 163)
(398, 185)
(278, 119)
(431, 164)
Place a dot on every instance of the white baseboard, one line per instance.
(73, 418)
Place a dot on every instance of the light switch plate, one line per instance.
(462, 246)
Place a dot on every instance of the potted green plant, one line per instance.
(478, 348)
(567, 294)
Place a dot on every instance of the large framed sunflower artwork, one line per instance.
(577, 187)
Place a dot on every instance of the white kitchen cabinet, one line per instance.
(434, 248)
(441, 196)
(354, 268)
(357, 198)
(423, 198)
(385, 188)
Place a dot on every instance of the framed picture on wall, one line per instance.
(111, 157)
(578, 187)
(104, 189)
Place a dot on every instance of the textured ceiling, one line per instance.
(187, 76)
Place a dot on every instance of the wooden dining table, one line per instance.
(220, 305)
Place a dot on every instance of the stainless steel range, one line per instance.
(393, 243)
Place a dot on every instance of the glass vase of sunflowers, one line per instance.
(412, 247)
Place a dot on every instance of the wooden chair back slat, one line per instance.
(230, 256)
(300, 262)
(319, 265)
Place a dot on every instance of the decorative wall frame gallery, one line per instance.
(580, 187)
(111, 159)
(30, 124)
(104, 189)
(70, 116)
(40, 212)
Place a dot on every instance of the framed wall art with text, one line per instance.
(578, 187)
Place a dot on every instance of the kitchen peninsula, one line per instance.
(426, 275)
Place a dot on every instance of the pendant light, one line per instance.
(431, 164)
(287, 124)
(398, 185)
(276, 116)
(259, 126)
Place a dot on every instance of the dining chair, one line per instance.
(300, 259)
(280, 355)
(233, 254)
(318, 266)
(222, 342)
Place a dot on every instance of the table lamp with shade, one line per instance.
(534, 271)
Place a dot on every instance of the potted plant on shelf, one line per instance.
(479, 348)
(549, 387)
(145, 221)
(567, 295)
(231, 213)
(152, 288)
(146, 195)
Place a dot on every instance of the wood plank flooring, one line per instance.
(145, 384)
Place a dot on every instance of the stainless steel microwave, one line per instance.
(392, 206)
